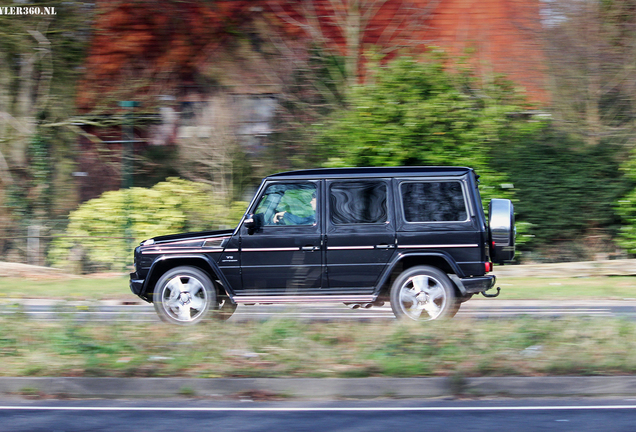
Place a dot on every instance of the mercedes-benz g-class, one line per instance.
(416, 237)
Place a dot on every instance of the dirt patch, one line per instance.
(8, 269)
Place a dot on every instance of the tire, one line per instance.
(224, 308)
(454, 309)
(423, 293)
(184, 296)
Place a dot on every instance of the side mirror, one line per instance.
(249, 222)
(253, 223)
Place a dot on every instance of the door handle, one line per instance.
(309, 248)
(384, 246)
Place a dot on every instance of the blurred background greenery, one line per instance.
(542, 105)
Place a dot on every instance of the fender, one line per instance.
(211, 264)
(403, 255)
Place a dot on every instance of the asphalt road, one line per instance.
(107, 311)
(567, 414)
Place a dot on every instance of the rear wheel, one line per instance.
(225, 308)
(423, 293)
(184, 295)
(454, 309)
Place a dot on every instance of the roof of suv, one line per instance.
(411, 171)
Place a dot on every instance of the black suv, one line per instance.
(414, 236)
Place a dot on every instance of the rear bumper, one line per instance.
(479, 284)
(474, 285)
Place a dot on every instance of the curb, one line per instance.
(320, 388)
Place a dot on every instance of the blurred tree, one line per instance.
(28, 68)
(415, 113)
(41, 55)
(161, 60)
(210, 152)
(137, 55)
(311, 88)
(344, 27)
(591, 48)
(40, 59)
(592, 53)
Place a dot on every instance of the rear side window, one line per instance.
(433, 202)
(359, 202)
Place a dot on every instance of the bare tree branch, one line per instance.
(5, 173)
(208, 152)
(352, 19)
(46, 60)
(592, 59)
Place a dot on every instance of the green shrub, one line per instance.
(413, 112)
(626, 208)
(564, 190)
(100, 229)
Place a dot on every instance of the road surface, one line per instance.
(566, 414)
(477, 308)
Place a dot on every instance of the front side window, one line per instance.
(433, 201)
(358, 202)
(288, 204)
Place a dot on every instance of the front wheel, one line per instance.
(423, 293)
(184, 295)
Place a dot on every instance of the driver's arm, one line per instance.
(278, 217)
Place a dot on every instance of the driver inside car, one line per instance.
(287, 218)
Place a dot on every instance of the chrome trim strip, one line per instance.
(271, 249)
(437, 246)
(172, 243)
(162, 251)
(197, 240)
(350, 247)
(306, 298)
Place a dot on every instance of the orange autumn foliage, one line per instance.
(163, 45)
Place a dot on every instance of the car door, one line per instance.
(282, 254)
(435, 216)
(360, 233)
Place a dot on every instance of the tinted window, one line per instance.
(358, 202)
(433, 202)
(288, 204)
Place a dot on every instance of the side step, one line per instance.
(241, 299)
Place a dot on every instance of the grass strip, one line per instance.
(100, 287)
(290, 348)
(567, 288)
(95, 287)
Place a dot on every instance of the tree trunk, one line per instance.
(352, 35)
(592, 108)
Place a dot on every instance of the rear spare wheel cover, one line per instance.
(502, 229)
